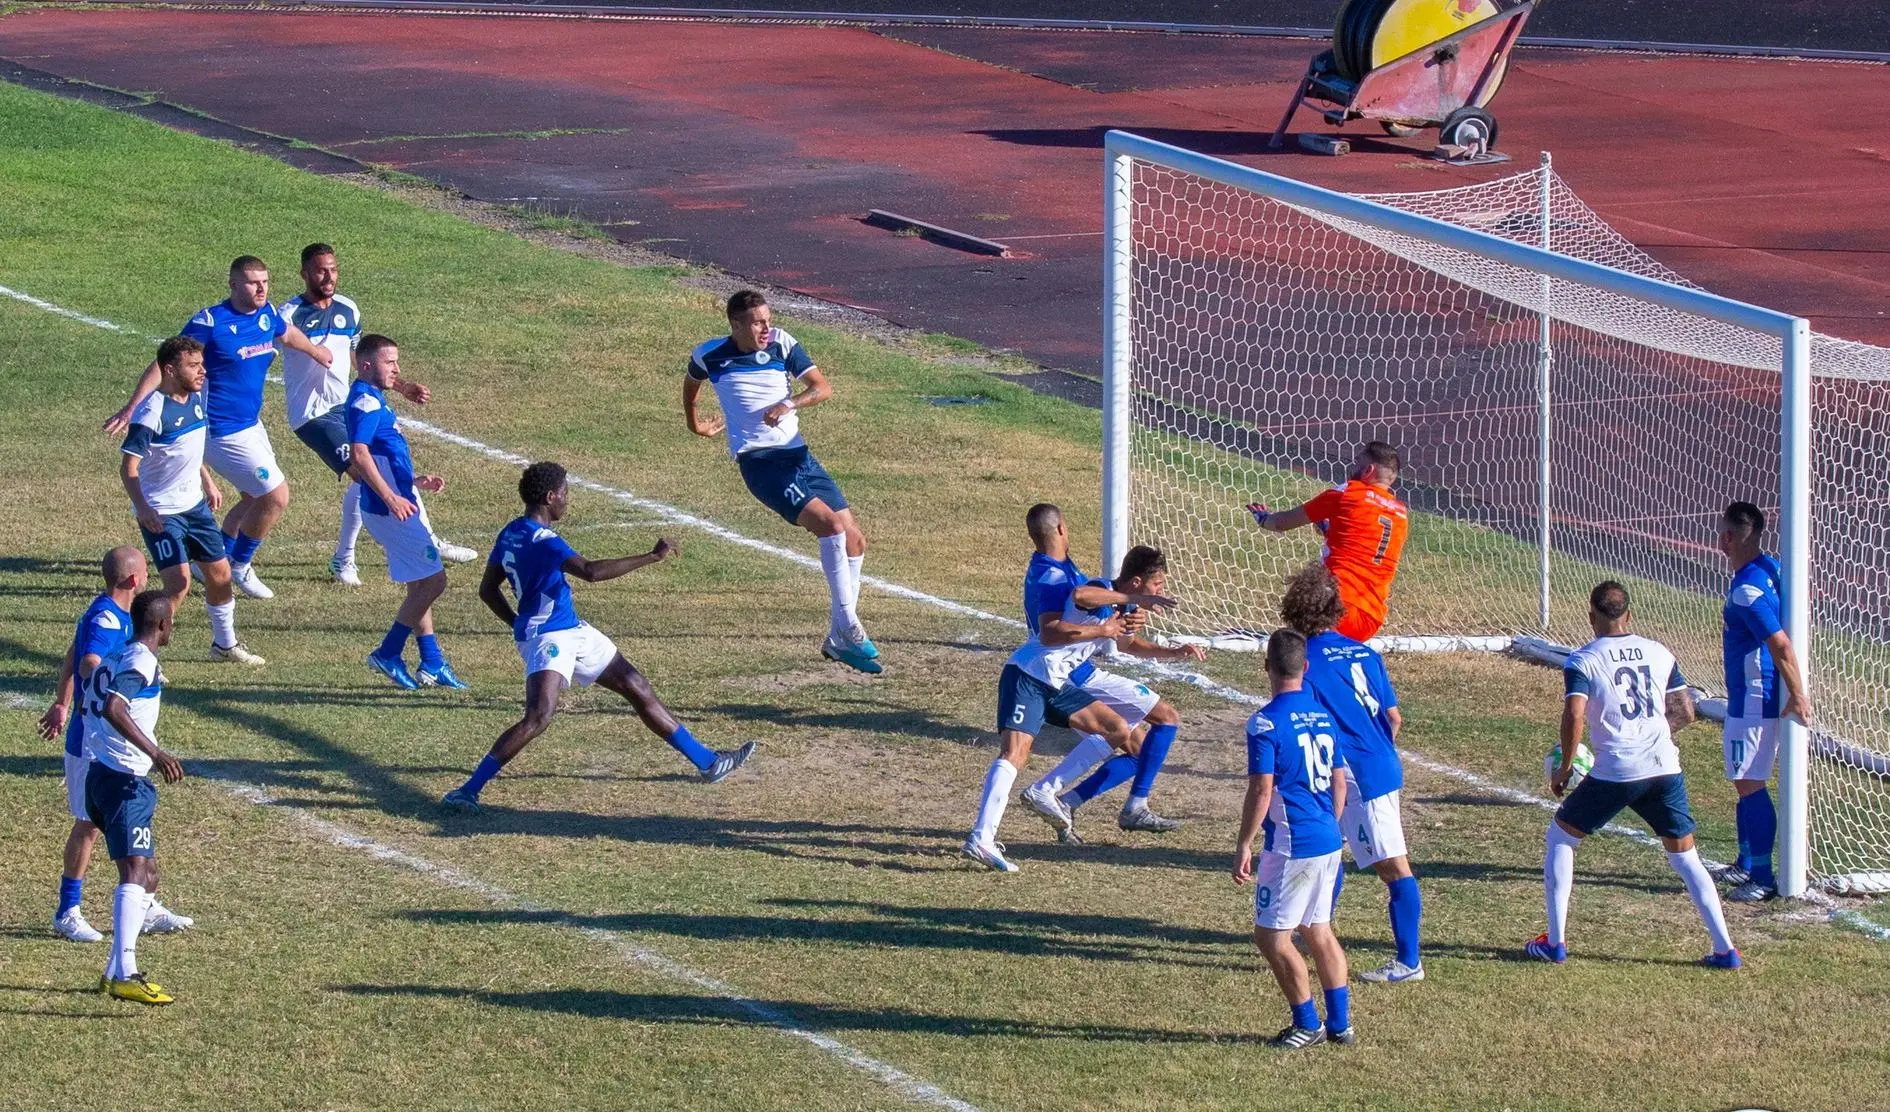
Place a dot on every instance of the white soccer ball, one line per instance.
(1584, 763)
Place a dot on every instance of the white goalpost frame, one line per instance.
(1120, 152)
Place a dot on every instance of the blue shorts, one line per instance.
(191, 535)
(1025, 702)
(1661, 800)
(786, 479)
(327, 437)
(122, 805)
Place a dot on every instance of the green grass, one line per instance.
(823, 883)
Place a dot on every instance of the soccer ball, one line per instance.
(1584, 761)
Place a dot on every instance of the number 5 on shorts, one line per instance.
(1017, 714)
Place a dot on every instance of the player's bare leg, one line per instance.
(842, 552)
(244, 528)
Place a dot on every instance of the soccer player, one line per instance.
(1350, 683)
(239, 338)
(121, 710)
(378, 459)
(313, 393)
(1294, 796)
(754, 369)
(1628, 693)
(1760, 659)
(1364, 524)
(557, 647)
(173, 496)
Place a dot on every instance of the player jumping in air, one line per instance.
(1364, 524)
(754, 369)
(557, 647)
(1628, 693)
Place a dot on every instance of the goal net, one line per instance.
(1560, 425)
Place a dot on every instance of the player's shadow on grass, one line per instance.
(866, 715)
(19, 765)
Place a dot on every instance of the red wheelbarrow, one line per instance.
(1444, 85)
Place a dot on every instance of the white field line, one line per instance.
(673, 515)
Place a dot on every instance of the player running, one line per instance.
(1759, 658)
(121, 710)
(379, 460)
(239, 338)
(1350, 683)
(1628, 693)
(557, 647)
(173, 496)
(1364, 525)
(313, 393)
(753, 370)
(1294, 796)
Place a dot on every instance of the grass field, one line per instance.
(357, 948)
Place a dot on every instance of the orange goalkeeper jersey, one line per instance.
(1365, 527)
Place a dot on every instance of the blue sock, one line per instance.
(1338, 1008)
(430, 654)
(243, 549)
(1114, 771)
(685, 743)
(1760, 819)
(1407, 910)
(1305, 1015)
(70, 892)
(476, 783)
(1338, 886)
(1148, 764)
(229, 544)
(395, 643)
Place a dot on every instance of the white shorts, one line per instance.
(1293, 892)
(75, 785)
(411, 554)
(245, 460)
(1751, 748)
(1373, 829)
(1127, 698)
(579, 654)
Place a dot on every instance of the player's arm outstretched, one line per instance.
(1139, 646)
(1279, 521)
(147, 382)
(597, 571)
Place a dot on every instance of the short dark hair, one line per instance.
(315, 251)
(1286, 653)
(1311, 604)
(247, 262)
(1141, 562)
(1383, 454)
(1041, 520)
(1609, 599)
(175, 348)
(147, 610)
(372, 345)
(741, 301)
(1745, 519)
(539, 482)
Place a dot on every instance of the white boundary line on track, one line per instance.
(1213, 687)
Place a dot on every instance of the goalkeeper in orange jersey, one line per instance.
(1364, 525)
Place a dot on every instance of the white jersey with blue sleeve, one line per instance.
(532, 556)
(167, 436)
(132, 674)
(308, 388)
(1293, 740)
(1753, 613)
(237, 350)
(1349, 680)
(749, 384)
(1626, 679)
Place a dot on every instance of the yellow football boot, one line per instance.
(138, 990)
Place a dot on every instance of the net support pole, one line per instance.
(1794, 843)
(1544, 362)
(1118, 283)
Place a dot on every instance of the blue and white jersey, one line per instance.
(102, 630)
(532, 556)
(749, 384)
(167, 436)
(310, 389)
(1058, 665)
(1349, 681)
(1626, 679)
(237, 351)
(1294, 740)
(371, 421)
(131, 674)
(1049, 586)
(1753, 613)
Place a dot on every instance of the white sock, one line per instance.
(127, 920)
(1088, 752)
(853, 582)
(1705, 896)
(833, 562)
(1558, 879)
(222, 624)
(350, 523)
(997, 793)
(1136, 803)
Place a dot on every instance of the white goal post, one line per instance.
(1228, 363)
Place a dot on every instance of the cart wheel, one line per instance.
(1468, 127)
(1398, 131)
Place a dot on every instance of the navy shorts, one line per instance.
(1661, 800)
(327, 437)
(1025, 702)
(122, 805)
(786, 479)
(191, 535)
